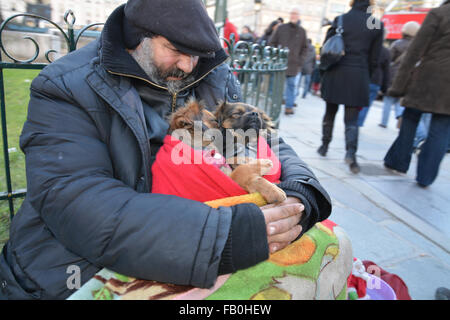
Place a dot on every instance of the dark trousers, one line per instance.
(351, 127)
(433, 150)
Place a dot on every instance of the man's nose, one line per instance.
(187, 62)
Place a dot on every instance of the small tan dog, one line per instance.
(248, 172)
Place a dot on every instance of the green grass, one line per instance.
(17, 91)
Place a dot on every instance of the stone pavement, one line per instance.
(391, 221)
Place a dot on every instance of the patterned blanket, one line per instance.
(316, 266)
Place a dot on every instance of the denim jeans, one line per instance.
(399, 155)
(289, 91)
(306, 85)
(298, 82)
(388, 102)
(373, 93)
(304, 79)
(422, 129)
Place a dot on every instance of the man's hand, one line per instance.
(282, 221)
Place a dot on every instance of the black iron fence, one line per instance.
(260, 69)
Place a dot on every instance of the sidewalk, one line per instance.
(390, 220)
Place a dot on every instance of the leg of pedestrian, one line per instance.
(422, 130)
(351, 137)
(387, 103)
(307, 85)
(433, 150)
(327, 127)
(298, 85)
(399, 155)
(374, 88)
(290, 94)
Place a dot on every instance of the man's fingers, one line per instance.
(278, 213)
(287, 236)
(283, 225)
(289, 200)
(277, 246)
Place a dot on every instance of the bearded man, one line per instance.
(96, 120)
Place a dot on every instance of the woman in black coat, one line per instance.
(348, 81)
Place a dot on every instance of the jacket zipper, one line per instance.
(174, 102)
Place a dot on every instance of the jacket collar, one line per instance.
(116, 59)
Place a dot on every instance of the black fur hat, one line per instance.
(185, 23)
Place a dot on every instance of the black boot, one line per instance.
(323, 149)
(351, 145)
(327, 132)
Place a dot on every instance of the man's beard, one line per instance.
(143, 55)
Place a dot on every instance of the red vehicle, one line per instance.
(397, 13)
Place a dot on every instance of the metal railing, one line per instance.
(71, 39)
(261, 72)
(260, 69)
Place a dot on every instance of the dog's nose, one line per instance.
(254, 113)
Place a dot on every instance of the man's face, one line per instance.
(294, 16)
(164, 64)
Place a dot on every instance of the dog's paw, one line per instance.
(266, 166)
(274, 194)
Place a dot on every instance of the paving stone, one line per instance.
(352, 198)
(424, 245)
(422, 276)
(430, 205)
(371, 241)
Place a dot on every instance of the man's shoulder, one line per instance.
(64, 77)
(72, 63)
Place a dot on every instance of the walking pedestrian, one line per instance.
(229, 29)
(378, 82)
(247, 35)
(307, 70)
(422, 80)
(398, 48)
(348, 81)
(269, 31)
(293, 36)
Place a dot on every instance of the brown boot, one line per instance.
(289, 111)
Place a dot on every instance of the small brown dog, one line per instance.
(241, 125)
(244, 123)
(246, 171)
(242, 116)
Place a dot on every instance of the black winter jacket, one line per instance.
(381, 75)
(348, 81)
(88, 202)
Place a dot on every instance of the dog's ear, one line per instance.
(220, 112)
(194, 105)
(267, 121)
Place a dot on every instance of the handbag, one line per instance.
(334, 48)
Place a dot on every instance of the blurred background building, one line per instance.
(315, 15)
